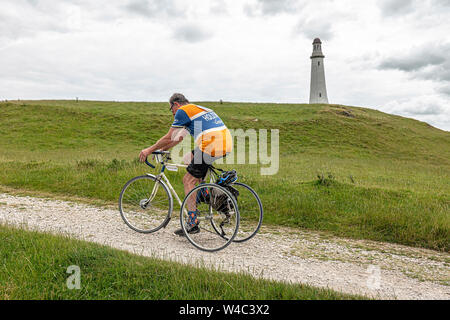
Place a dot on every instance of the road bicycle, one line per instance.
(224, 215)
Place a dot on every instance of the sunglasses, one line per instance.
(171, 106)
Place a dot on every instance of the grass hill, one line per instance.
(352, 171)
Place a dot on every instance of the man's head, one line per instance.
(176, 101)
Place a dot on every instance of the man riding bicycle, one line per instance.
(213, 141)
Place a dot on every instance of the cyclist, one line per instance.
(213, 141)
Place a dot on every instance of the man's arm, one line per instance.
(177, 136)
(171, 139)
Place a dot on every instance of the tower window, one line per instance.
(320, 95)
(319, 63)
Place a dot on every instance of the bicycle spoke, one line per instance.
(138, 212)
(216, 229)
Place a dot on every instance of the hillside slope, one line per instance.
(382, 177)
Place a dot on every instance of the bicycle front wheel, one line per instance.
(145, 204)
(217, 214)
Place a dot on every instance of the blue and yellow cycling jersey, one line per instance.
(209, 132)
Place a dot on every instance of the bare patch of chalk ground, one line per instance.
(374, 269)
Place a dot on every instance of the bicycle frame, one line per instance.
(162, 176)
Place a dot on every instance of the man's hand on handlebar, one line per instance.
(144, 154)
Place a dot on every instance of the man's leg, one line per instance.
(196, 172)
(190, 182)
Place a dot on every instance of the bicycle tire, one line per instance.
(160, 218)
(193, 238)
(243, 216)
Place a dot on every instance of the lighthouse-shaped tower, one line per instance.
(318, 93)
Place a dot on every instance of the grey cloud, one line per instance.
(271, 7)
(429, 62)
(445, 3)
(445, 89)
(218, 7)
(249, 10)
(396, 7)
(29, 18)
(170, 9)
(438, 73)
(317, 20)
(414, 62)
(191, 33)
(418, 9)
(11, 28)
(25, 19)
(151, 8)
(315, 28)
(429, 109)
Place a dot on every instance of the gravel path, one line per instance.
(374, 269)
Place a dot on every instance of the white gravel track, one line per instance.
(374, 269)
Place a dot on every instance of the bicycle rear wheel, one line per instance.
(218, 217)
(145, 204)
(250, 212)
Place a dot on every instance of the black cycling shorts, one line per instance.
(200, 163)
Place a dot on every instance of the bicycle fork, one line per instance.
(145, 202)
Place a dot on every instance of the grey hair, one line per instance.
(179, 98)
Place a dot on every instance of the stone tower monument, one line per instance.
(318, 93)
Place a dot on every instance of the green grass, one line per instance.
(33, 266)
(391, 175)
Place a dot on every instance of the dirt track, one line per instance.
(374, 269)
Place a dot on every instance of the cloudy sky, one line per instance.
(391, 55)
